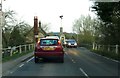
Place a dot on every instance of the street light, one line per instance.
(1, 25)
(2, 15)
(61, 16)
(1, 39)
(61, 28)
(61, 19)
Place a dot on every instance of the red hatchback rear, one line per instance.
(49, 48)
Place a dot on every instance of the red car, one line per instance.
(49, 48)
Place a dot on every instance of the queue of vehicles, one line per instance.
(51, 48)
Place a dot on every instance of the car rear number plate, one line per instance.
(48, 48)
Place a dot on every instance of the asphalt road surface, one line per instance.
(77, 62)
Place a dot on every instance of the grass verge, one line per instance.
(15, 56)
(111, 55)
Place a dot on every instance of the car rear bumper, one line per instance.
(71, 45)
(49, 54)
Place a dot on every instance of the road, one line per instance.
(78, 62)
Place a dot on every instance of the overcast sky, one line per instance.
(48, 11)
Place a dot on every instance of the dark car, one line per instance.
(49, 49)
(71, 43)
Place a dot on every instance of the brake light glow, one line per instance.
(38, 41)
(59, 42)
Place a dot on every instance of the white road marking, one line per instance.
(84, 72)
(115, 60)
(21, 65)
(70, 57)
(73, 61)
(110, 59)
(104, 57)
(30, 59)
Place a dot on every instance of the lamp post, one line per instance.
(61, 28)
(61, 19)
(1, 24)
(1, 17)
(62, 36)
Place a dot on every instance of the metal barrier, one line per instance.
(10, 51)
(108, 48)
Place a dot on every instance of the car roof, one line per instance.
(49, 38)
(70, 40)
(52, 37)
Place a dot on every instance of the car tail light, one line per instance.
(38, 41)
(59, 48)
(37, 47)
(59, 42)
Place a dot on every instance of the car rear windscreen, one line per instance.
(46, 42)
(71, 41)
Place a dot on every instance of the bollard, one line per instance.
(96, 47)
(116, 49)
(10, 50)
(20, 49)
(108, 48)
(29, 46)
(93, 45)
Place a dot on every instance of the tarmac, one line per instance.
(12, 63)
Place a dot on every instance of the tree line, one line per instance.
(109, 14)
(17, 32)
(13, 31)
(104, 29)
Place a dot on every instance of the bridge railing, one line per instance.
(10, 51)
(106, 48)
(111, 51)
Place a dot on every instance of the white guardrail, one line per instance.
(10, 51)
(109, 48)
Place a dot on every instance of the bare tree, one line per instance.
(45, 27)
(85, 26)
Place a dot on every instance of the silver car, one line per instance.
(71, 43)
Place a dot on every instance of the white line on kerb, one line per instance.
(30, 59)
(105, 57)
(21, 65)
(84, 72)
